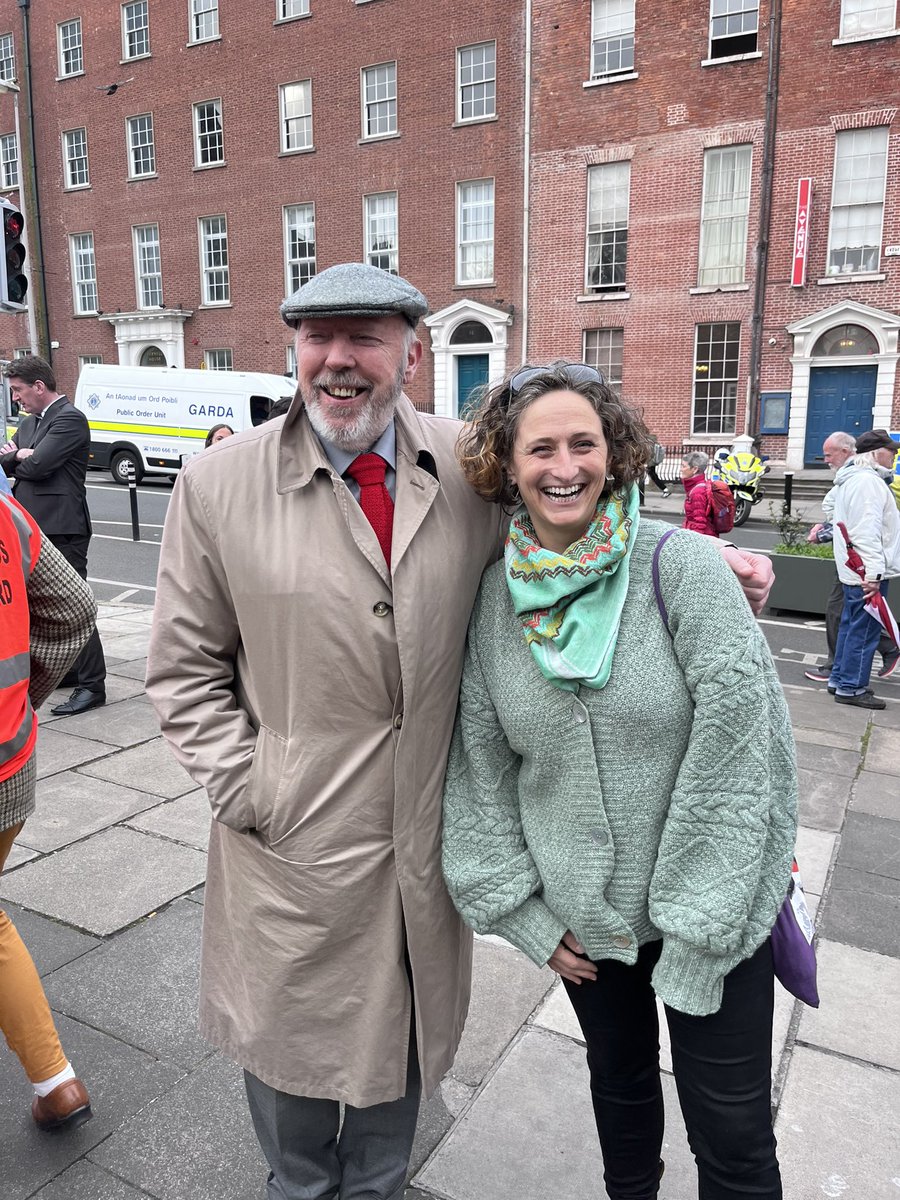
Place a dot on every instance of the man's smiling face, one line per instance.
(350, 373)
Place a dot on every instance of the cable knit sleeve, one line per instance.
(490, 873)
(724, 858)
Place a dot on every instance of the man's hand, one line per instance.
(811, 536)
(871, 587)
(8, 448)
(754, 574)
(25, 452)
(567, 960)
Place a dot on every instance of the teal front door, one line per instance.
(841, 400)
(471, 373)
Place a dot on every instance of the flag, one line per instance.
(876, 606)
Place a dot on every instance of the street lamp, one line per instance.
(7, 85)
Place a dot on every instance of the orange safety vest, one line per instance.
(20, 544)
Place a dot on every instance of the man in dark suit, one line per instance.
(47, 461)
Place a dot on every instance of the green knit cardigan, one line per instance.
(662, 806)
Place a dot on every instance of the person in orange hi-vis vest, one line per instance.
(47, 613)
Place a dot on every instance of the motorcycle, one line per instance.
(742, 471)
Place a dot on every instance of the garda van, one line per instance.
(156, 418)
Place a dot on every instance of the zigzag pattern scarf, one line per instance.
(570, 604)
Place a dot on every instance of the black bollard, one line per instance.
(132, 495)
(788, 491)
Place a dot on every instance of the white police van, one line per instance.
(156, 418)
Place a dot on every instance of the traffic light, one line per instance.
(13, 280)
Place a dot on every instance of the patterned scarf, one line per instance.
(570, 605)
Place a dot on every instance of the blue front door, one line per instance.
(840, 401)
(471, 372)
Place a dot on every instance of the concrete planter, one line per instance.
(801, 584)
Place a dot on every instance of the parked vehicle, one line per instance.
(156, 418)
(743, 472)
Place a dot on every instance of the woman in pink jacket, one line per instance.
(697, 508)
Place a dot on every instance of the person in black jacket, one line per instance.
(47, 461)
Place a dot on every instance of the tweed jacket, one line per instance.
(662, 806)
(61, 612)
(50, 482)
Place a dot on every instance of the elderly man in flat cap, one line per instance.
(315, 584)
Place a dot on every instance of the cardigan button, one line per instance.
(622, 942)
(381, 609)
(600, 836)
(579, 716)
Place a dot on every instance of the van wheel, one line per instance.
(120, 465)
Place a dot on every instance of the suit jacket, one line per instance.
(50, 482)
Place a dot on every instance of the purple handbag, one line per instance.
(793, 952)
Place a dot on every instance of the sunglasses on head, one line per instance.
(574, 372)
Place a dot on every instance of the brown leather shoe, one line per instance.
(66, 1107)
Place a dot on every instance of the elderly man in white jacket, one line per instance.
(865, 506)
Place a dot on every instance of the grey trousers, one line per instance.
(313, 1156)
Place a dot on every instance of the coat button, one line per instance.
(600, 836)
(622, 942)
(381, 609)
(398, 721)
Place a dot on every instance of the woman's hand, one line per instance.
(754, 574)
(566, 962)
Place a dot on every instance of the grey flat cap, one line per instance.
(355, 290)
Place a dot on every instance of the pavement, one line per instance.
(106, 887)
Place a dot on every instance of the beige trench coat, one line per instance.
(312, 694)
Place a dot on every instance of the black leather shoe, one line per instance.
(81, 700)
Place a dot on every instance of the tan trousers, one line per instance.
(25, 1017)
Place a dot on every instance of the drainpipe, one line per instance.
(31, 198)
(751, 423)
(526, 178)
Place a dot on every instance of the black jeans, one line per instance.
(723, 1072)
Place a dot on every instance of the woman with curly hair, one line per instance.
(621, 794)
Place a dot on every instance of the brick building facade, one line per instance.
(244, 148)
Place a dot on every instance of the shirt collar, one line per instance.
(40, 416)
(386, 446)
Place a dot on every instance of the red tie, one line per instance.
(374, 499)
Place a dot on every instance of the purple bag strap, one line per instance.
(660, 603)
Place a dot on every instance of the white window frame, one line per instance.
(7, 57)
(138, 146)
(215, 277)
(605, 349)
(296, 128)
(381, 214)
(9, 162)
(612, 38)
(219, 360)
(75, 151)
(843, 210)
(203, 19)
(608, 216)
(298, 269)
(69, 48)
(290, 360)
(86, 360)
(84, 274)
(728, 384)
(882, 18)
(725, 215)
(289, 10)
(476, 83)
(474, 252)
(381, 108)
(131, 33)
(147, 265)
(728, 11)
(200, 134)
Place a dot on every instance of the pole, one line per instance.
(788, 491)
(133, 501)
(7, 86)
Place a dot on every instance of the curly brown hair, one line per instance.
(485, 447)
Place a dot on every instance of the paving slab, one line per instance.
(813, 708)
(151, 765)
(18, 855)
(827, 759)
(823, 799)
(821, 737)
(72, 806)
(117, 688)
(133, 668)
(196, 1141)
(50, 943)
(139, 873)
(876, 794)
(883, 753)
(506, 989)
(863, 910)
(121, 1081)
(127, 646)
(84, 1181)
(59, 751)
(866, 985)
(814, 851)
(435, 1119)
(888, 718)
(530, 1133)
(871, 844)
(142, 986)
(186, 820)
(124, 724)
(837, 1130)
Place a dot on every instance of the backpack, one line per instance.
(657, 455)
(721, 505)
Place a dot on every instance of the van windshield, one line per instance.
(259, 409)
